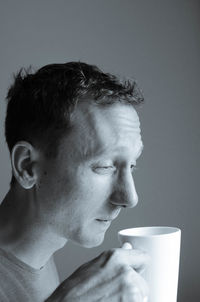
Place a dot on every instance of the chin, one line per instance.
(92, 241)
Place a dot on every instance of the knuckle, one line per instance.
(126, 277)
(142, 284)
(131, 282)
(114, 256)
(124, 269)
(110, 258)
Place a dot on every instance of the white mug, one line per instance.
(163, 246)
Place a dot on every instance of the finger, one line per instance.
(136, 296)
(127, 246)
(140, 284)
(128, 297)
(137, 259)
(125, 282)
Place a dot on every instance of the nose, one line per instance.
(124, 193)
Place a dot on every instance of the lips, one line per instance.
(109, 218)
(104, 220)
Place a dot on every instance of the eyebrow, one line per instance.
(104, 153)
(140, 150)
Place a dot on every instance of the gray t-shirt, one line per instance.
(21, 283)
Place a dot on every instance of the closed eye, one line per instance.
(104, 169)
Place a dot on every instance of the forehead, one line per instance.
(104, 129)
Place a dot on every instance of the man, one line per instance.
(74, 138)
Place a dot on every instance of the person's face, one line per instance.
(84, 188)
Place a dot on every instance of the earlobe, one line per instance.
(22, 159)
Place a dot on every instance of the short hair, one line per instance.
(40, 104)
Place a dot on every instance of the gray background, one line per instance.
(158, 43)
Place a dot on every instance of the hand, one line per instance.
(113, 276)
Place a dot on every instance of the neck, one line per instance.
(22, 232)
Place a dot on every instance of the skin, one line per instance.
(76, 196)
(94, 173)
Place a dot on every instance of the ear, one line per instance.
(23, 157)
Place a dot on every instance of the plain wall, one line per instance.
(156, 42)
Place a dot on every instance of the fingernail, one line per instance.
(127, 246)
(136, 290)
(145, 299)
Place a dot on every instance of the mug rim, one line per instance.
(146, 231)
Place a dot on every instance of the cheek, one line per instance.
(75, 191)
(94, 188)
(52, 189)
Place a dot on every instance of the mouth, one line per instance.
(110, 218)
(104, 220)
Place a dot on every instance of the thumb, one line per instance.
(127, 246)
